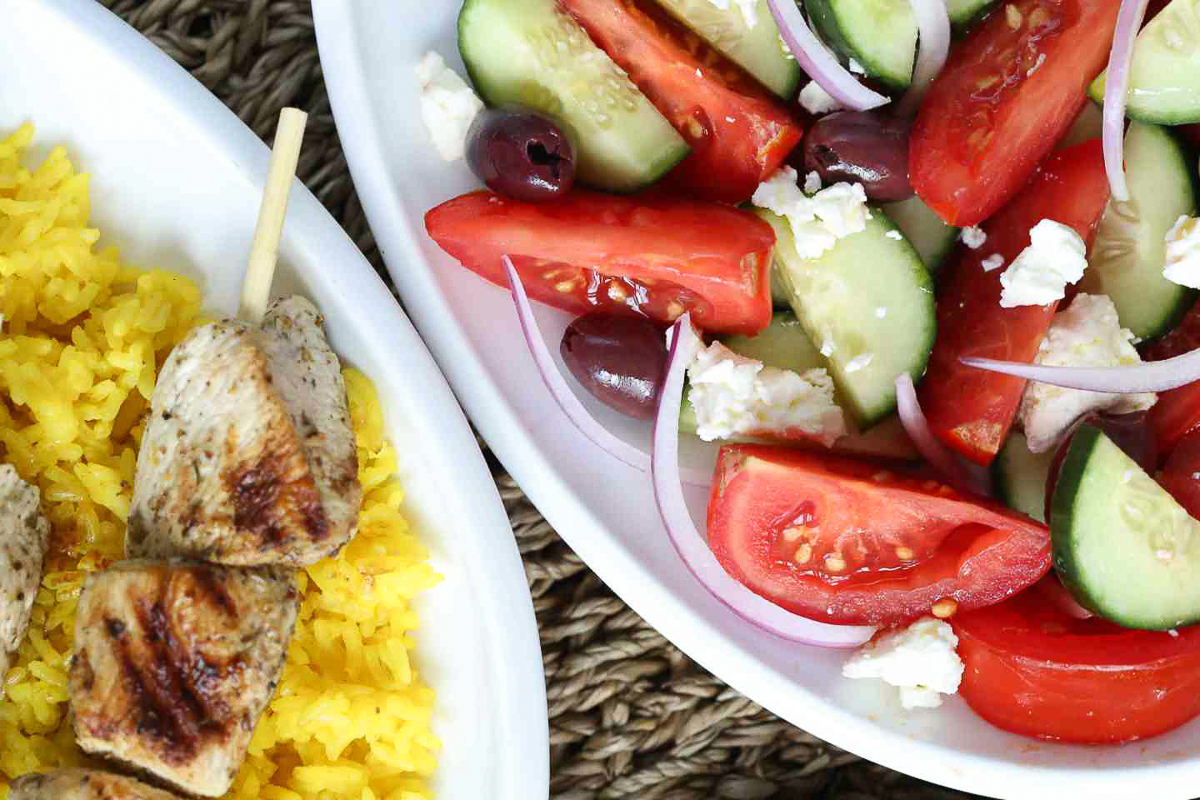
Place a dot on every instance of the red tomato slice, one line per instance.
(1034, 670)
(1005, 97)
(1181, 473)
(658, 257)
(738, 133)
(970, 409)
(1178, 411)
(843, 540)
(1176, 414)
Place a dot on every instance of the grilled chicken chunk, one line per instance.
(83, 784)
(248, 456)
(24, 537)
(175, 662)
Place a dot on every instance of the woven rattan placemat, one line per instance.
(630, 715)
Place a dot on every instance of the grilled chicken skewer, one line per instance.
(83, 784)
(24, 537)
(175, 661)
(248, 457)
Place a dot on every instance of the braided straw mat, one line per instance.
(630, 715)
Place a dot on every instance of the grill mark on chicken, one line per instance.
(175, 661)
(167, 707)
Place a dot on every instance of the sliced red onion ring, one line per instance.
(1116, 84)
(691, 545)
(599, 435)
(933, 44)
(1153, 376)
(962, 474)
(818, 62)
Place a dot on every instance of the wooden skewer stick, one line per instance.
(264, 251)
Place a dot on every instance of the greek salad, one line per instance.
(926, 270)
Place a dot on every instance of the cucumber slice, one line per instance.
(1164, 78)
(928, 233)
(838, 299)
(1122, 545)
(784, 344)
(527, 52)
(881, 35)
(758, 50)
(1020, 477)
(1126, 261)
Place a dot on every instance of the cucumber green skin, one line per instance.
(834, 24)
(666, 147)
(907, 293)
(965, 13)
(1019, 477)
(1090, 470)
(929, 235)
(1156, 69)
(758, 50)
(1147, 303)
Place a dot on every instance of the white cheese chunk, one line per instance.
(812, 183)
(748, 8)
(1038, 276)
(448, 106)
(920, 660)
(817, 222)
(994, 261)
(737, 396)
(1183, 253)
(1085, 334)
(815, 100)
(856, 68)
(973, 237)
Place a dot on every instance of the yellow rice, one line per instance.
(82, 335)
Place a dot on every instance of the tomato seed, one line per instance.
(803, 554)
(944, 609)
(834, 563)
(904, 553)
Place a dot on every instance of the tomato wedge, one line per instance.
(1033, 669)
(654, 256)
(842, 540)
(1005, 97)
(738, 133)
(1181, 473)
(1177, 412)
(969, 409)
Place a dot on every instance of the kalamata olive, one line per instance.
(867, 147)
(1127, 431)
(521, 153)
(620, 360)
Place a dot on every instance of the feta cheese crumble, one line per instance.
(1085, 334)
(1038, 276)
(881, 312)
(817, 222)
(894, 234)
(994, 261)
(920, 660)
(1183, 253)
(857, 68)
(448, 106)
(815, 100)
(812, 183)
(973, 237)
(747, 7)
(737, 396)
